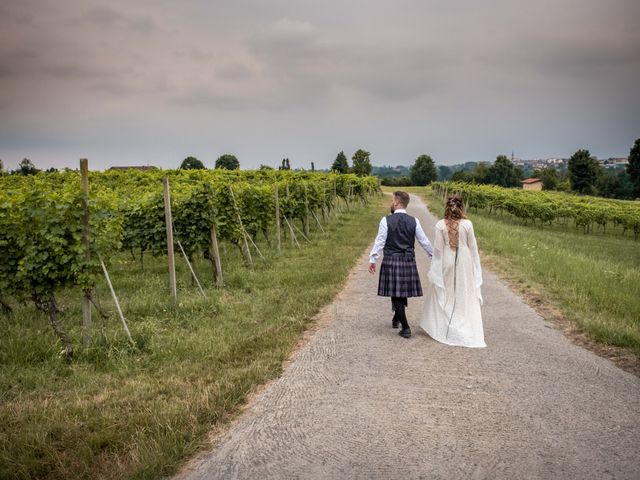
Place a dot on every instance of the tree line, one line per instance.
(226, 162)
(361, 165)
(584, 175)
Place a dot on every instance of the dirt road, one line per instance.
(360, 402)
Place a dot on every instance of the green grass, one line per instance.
(593, 279)
(120, 412)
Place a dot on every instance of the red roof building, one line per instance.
(532, 184)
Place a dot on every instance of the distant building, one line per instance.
(614, 162)
(135, 167)
(532, 184)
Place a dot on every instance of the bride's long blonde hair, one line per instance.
(453, 213)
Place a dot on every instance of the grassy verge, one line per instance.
(118, 412)
(592, 279)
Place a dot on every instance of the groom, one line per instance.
(398, 273)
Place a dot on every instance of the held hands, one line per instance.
(372, 268)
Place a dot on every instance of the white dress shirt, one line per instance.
(381, 238)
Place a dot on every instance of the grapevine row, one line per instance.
(41, 248)
(548, 207)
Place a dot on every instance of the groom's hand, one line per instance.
(372, 268)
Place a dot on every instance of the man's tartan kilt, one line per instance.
(399, 277)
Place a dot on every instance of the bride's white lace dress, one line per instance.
(452, 312)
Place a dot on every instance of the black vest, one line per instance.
(401, 235)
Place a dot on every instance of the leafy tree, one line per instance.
(340, 165)
(423, 171)
(548, 176)
(26, 167)
(191, 163)
(402, 181)
(583, 172)
(606, 184)
(633, 168)
(51, 170)
(444, 173)
(612, 184)
(228, 162)
(504, 173)
(361, 163)
(480, 173)
(527, 172)
(625, 188)
(265, 167)
(389, 171)
(461, 176)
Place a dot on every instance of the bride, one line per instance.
(452, 308)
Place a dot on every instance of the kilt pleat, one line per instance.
(399, 277)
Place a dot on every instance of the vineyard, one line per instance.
(587, 213)
(54, 234)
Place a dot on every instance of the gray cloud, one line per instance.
(16, 17)
(206, 99)
(234, 71)
(79, 71)
(557, 55)
(104, 16)
(306, 60)
(288, 35)
(270, 78)
(16, 60)
(107, 17)
(195, 54)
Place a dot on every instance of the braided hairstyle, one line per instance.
(453, 213)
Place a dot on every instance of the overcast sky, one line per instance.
(150, 82)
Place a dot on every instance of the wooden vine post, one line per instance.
(115, 300)
(306, 210)
(246, 252)
(215, 258)
(193, 272)
(86, 298)
(170, 253)
(278, 233)
(293, 240)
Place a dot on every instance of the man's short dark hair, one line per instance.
(402, 197)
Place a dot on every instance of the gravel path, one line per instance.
(360, 402)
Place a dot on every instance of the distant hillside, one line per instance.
(390, 172)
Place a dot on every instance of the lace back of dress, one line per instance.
(453, 232)
(453, 213)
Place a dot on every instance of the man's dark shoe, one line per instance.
(395, 323)
(405, 332)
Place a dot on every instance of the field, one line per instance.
(122, 411)
(592, 278)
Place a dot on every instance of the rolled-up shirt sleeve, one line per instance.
(381, 239)
(422, 239)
